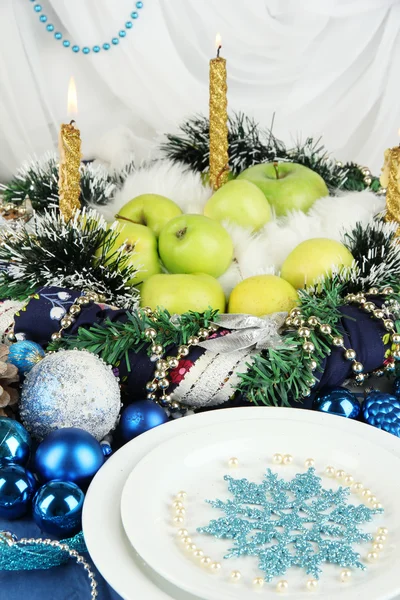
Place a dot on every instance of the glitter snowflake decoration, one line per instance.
(291, 523)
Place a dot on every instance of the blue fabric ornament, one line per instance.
(140, 417)
(17, 487)
(15, 442)
(57, 508)
(337, 401)
(68, 454)
(25, 355)
(382, 411)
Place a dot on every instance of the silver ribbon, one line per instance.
(248, 332)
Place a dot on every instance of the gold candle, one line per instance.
(390, 179)
(70, 160)
(218, 120)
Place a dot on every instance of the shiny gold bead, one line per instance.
(21, 211)
(159, 374)
(213, 327)
(388, 290)
(357, 367)
(389, 325)
(350, 354)
(172, 362)
(183, 350)
(360, 378)
(175, 405)
(203, 333)
(304, 332)
(396, 354)
(151, 386)
(351, 298)
(9, 207)
(163, 384)
(379, 314)
(11, 337)
(288, 321)
(147, 310)
(74, 310)
(396, 338)
(308, 347)
(151, 397)
(313, 365)
(374, 291)
(369, 306)
(337, 340)
(150, 333)
(367, 180)
(193, 340)
(312, 321)
(56, 336)
(325, 328)
(156, 349)
(298, 321)
(161, 364)
(295, 312)
(66, 322)
(82, 301)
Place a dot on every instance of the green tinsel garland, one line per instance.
(78, 254)
(249, 144)
(38, 181)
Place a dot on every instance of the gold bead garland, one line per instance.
(296, 321)
(74, 310)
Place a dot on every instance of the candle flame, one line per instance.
(72, 99)
(218, 41)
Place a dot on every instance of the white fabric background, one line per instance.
(327, 67)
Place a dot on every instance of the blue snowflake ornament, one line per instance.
(294, 523)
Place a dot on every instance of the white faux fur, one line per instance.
(265, 251)
(166, 178)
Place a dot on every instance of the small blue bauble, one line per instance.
(17, 487)
(140, 417)
(382, 411)
(57, 508)
(337, 401)
(25, 355)
(396, 386)
(69, 454)
(15, 442)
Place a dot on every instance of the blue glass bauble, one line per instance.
(70, 388)
(396, 386)
(140, 417)
(15, 442)
(382, 411)
(337, 401)
(68, 454)
(25, 355)
(57, 508)
(17, 487)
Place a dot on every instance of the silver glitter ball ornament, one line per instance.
(70, 388)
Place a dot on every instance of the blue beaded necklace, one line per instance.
(85, 49)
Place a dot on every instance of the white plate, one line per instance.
(104, 535)
(197, 462)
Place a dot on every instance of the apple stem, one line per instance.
(124, 219)
(276, 167)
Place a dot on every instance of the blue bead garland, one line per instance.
(86, 49)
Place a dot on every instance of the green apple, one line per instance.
(240, 202)
(287, 186)
(181, 293)
(141, 245)
(313, 259)
(152, 210)
(195, 244)
(262, 295)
